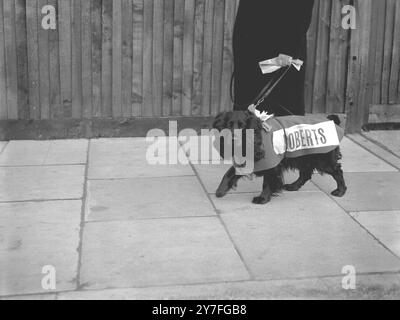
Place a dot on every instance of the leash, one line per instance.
(265, 92)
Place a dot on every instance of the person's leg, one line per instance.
(248, 83)
(288, 96)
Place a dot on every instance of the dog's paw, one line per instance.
(261, 200)
(291, 187)
(339, 193)
(221, 194)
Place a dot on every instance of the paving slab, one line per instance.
(211, 176)
(200, 149)
(24, 153)
(3, 144)
(390, 139)
(34, 235)
(358, 159)
(33, 297)
(305, 236)
(385, 226)
(366, 191)
(374, 287)
(377, 150)
(67, 152)
(286, 201)
(158, 252)
(56, 152)
(41, 183)
(126, 158)
(145, 198)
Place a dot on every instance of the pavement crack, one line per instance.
(83, 217)
(251, 275)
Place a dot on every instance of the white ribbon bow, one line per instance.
(263, 116)
(272, 65)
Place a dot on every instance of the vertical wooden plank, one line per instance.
(218, 46)
(197, 104)
(353, 80)
(321, 59)
(3, 80)
(117, 59)
(22, 59)
(56, 109)
(77, 94)
(65, 39)
(137, 58)
(188, 47)
(312, 37)
(96, 13)
(106, 58)
(178, 56)
(33, 59)
(337, 66)
(158, 51)
(365, 64)
(207, 56)
(168, 56)
(380, 40)
(147, 58)
(370, 70)
(44, 65)
(359, 70)
(127, 58)
(87, 106)
(227, 68)
(11, 59)
(387, 56)
(394, 94)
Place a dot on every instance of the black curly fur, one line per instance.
(240, 120)
(273, 179)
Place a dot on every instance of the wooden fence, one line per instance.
(348, 71)
(161, 58)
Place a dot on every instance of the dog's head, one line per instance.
(236, 120)
(239, 122)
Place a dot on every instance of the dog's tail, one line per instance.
(335, 119)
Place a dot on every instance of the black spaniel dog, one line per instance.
(273, 179)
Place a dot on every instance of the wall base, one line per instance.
(94, 128)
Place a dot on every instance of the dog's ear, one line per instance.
(255, 123)
(220, 121)
(252, 121)
(335, 119)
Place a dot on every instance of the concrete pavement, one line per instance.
(115, 227)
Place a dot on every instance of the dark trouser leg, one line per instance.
(249, 81)
(305, 176)
(266, 194)
(229, 181)
(288, 97)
